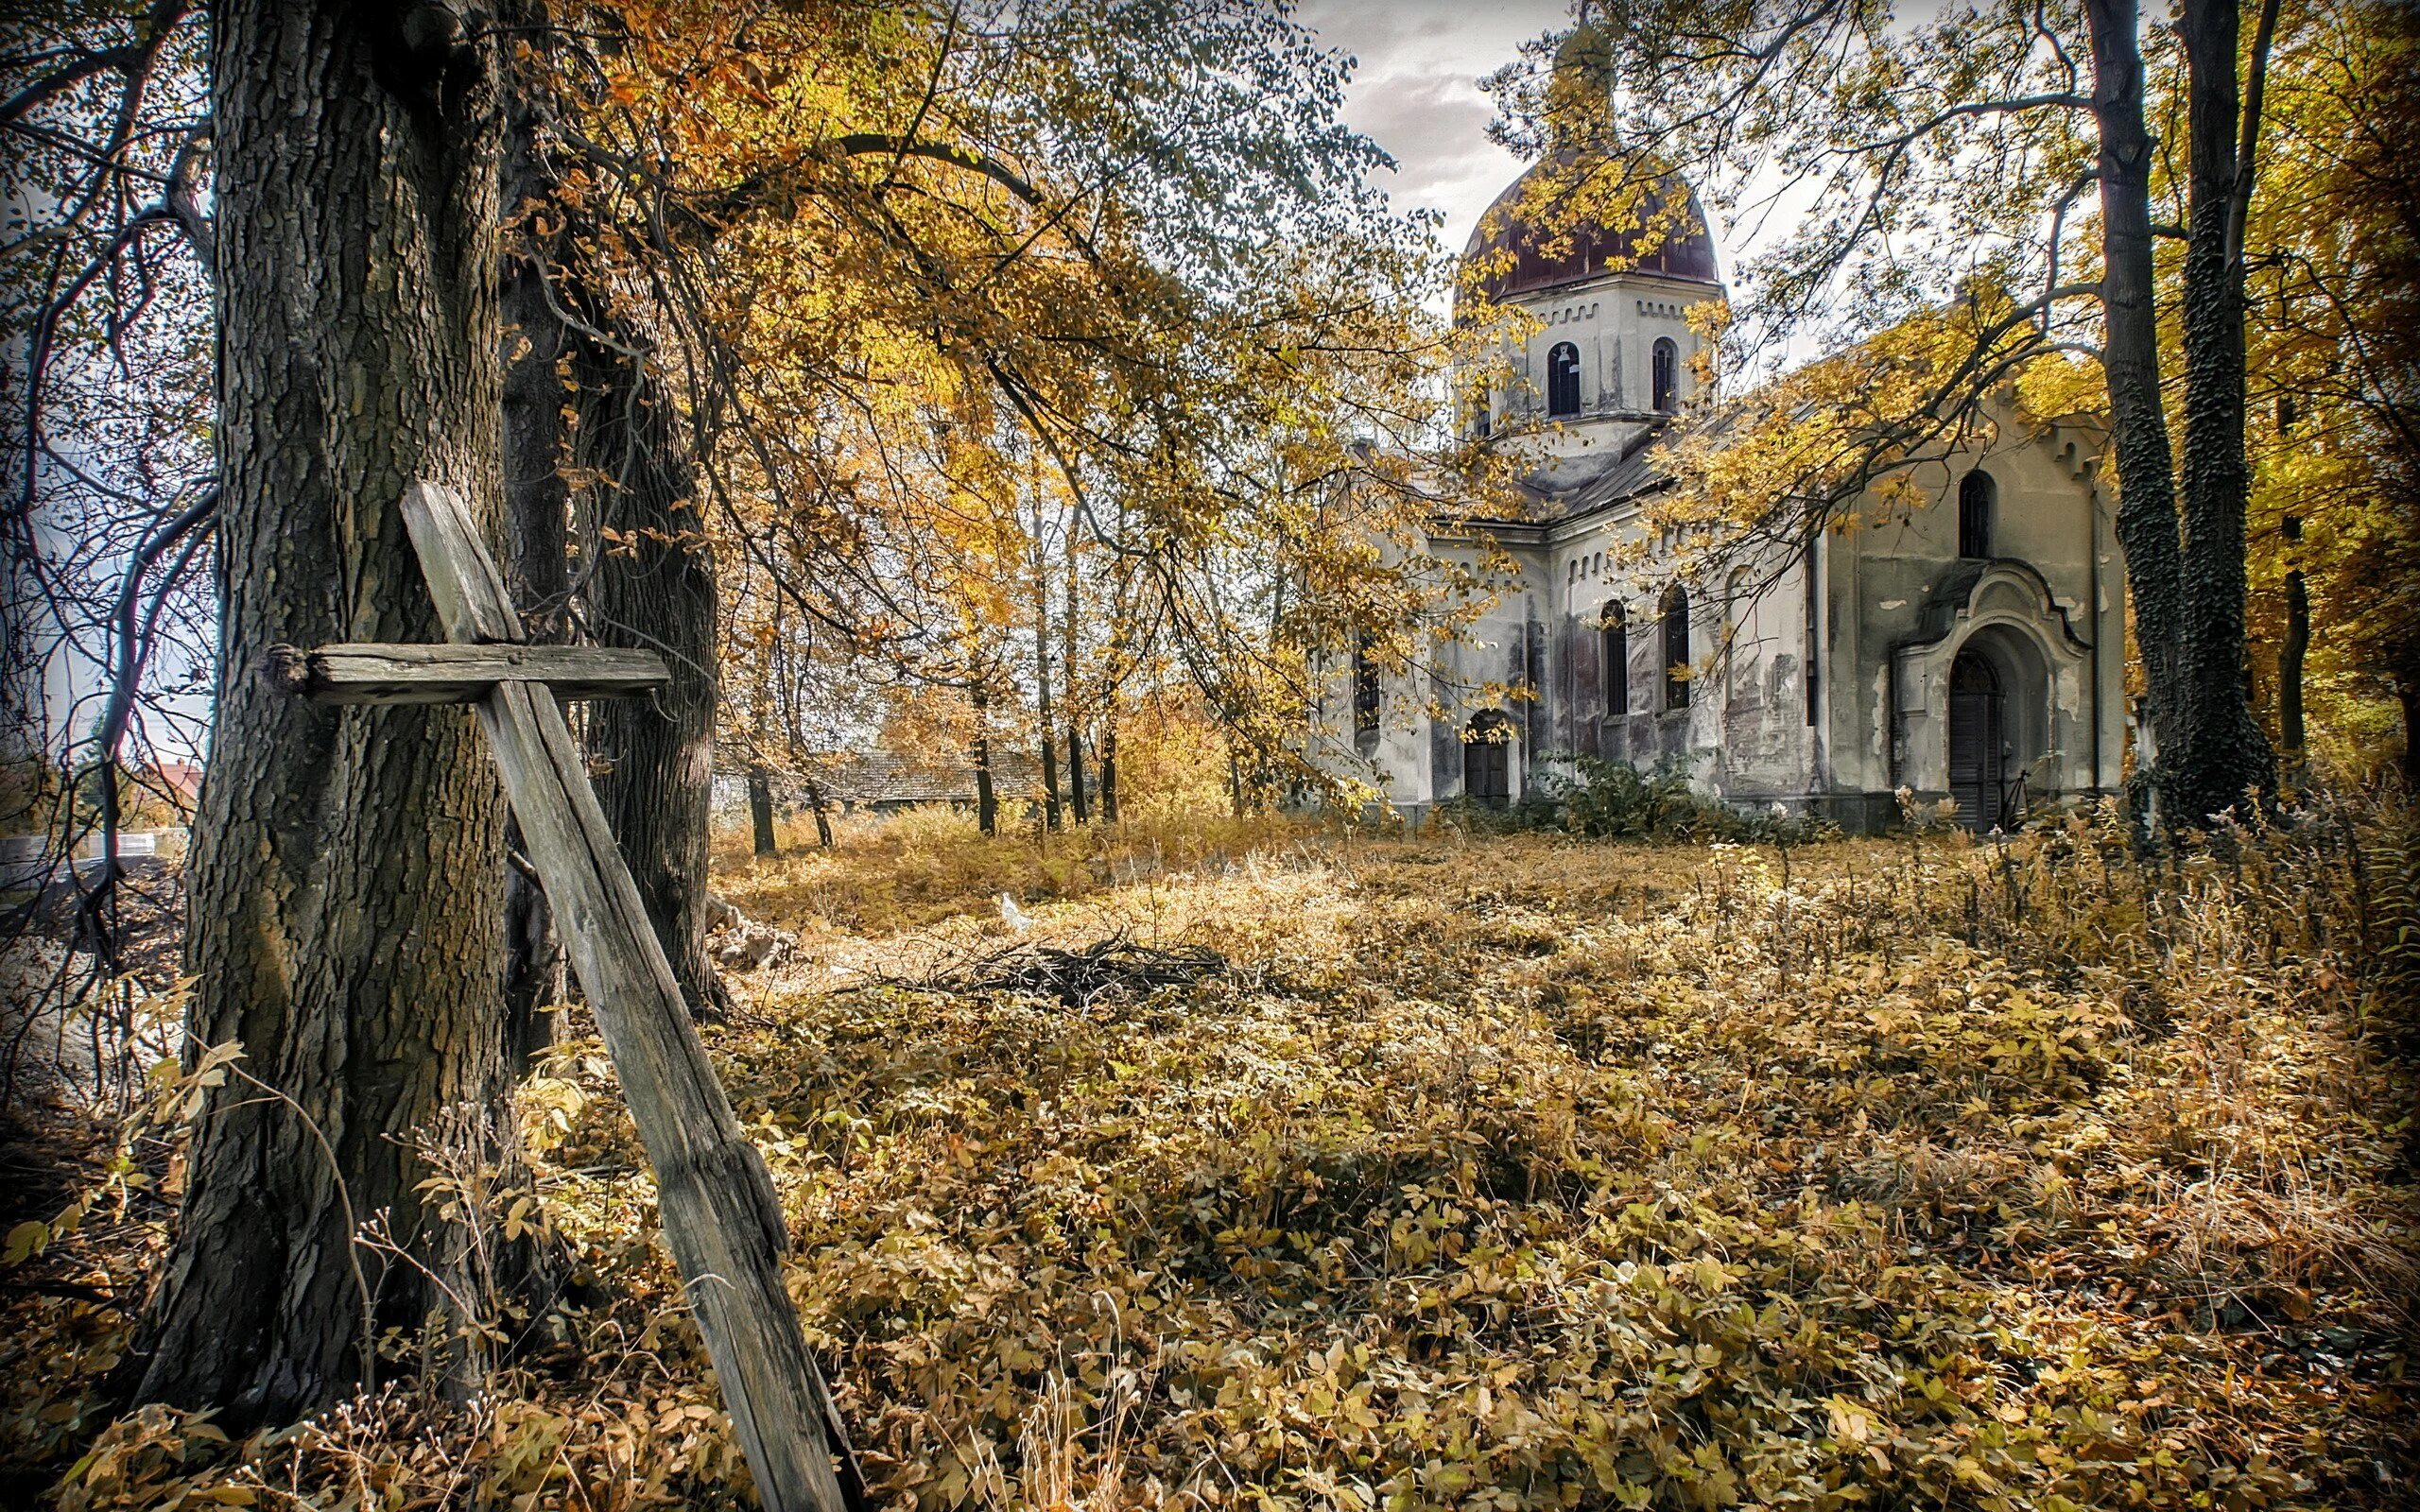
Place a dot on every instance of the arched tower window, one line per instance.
(1563, 380)
(1976, 498)
(1612, 641)
(1667, 375)
(1676, 647)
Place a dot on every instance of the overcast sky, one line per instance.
(1416, 91)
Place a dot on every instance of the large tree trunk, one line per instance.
(2226, 754)
(1109, 768)
(536, 515)
(2129, 342)
(654, 588)
(347, 878)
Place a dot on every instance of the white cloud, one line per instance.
(1416, 91)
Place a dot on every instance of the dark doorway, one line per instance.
(1978, 725)
(1487, 761)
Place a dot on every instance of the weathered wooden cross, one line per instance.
(720, 1216)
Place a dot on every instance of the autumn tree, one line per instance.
(2332, 245)
(106, 497)
(1031, 229)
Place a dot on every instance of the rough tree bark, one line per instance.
(1042, 721)
(2290, 734)
(1109, 768)
(760, 811)
(1076, 796)
(655, 590)
(2226, 753)
(2130, 341)
(987, 803)
(822, 813)
(536, 515)
(347, 878)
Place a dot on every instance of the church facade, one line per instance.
(1968, 648)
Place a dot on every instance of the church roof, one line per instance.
(1655, 236)
(1562, 487)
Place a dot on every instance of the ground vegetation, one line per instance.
(1454, 1171)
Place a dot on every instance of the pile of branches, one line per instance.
(1077, 977)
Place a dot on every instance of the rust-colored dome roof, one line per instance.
(1684, 251)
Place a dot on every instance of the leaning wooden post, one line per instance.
(721, 1215)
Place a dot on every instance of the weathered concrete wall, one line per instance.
(1614, 322)
(1890, 606)
(1899, 601)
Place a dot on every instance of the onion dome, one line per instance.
(1655, 236)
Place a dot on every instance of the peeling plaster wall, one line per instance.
(1889, 700)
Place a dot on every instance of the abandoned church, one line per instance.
(1969, 648)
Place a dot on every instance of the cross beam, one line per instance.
(721, 1215)
(367, 672)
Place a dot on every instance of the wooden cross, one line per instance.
(721, 1215)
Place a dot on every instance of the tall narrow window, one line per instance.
(1563, 380)
(1676, 647)
(1613, 642)
(1365, 690)
(1667, 375)
(1735, 628)
(1812, 568)
(1975, 499)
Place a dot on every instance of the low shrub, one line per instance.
(1615, 799)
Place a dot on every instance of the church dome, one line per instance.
(1546, 257)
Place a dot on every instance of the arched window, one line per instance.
(1563, 380)
(1975, 509)
(1667, 375)
(1676, 647)
(1612, 641)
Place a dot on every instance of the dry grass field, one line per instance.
(1259, 1166)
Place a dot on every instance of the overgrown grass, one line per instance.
(1497, 1173)
(927, 863)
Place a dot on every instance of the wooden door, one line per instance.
(1487, 763)
(1977, 715)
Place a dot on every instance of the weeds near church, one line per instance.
(1497, 1173)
